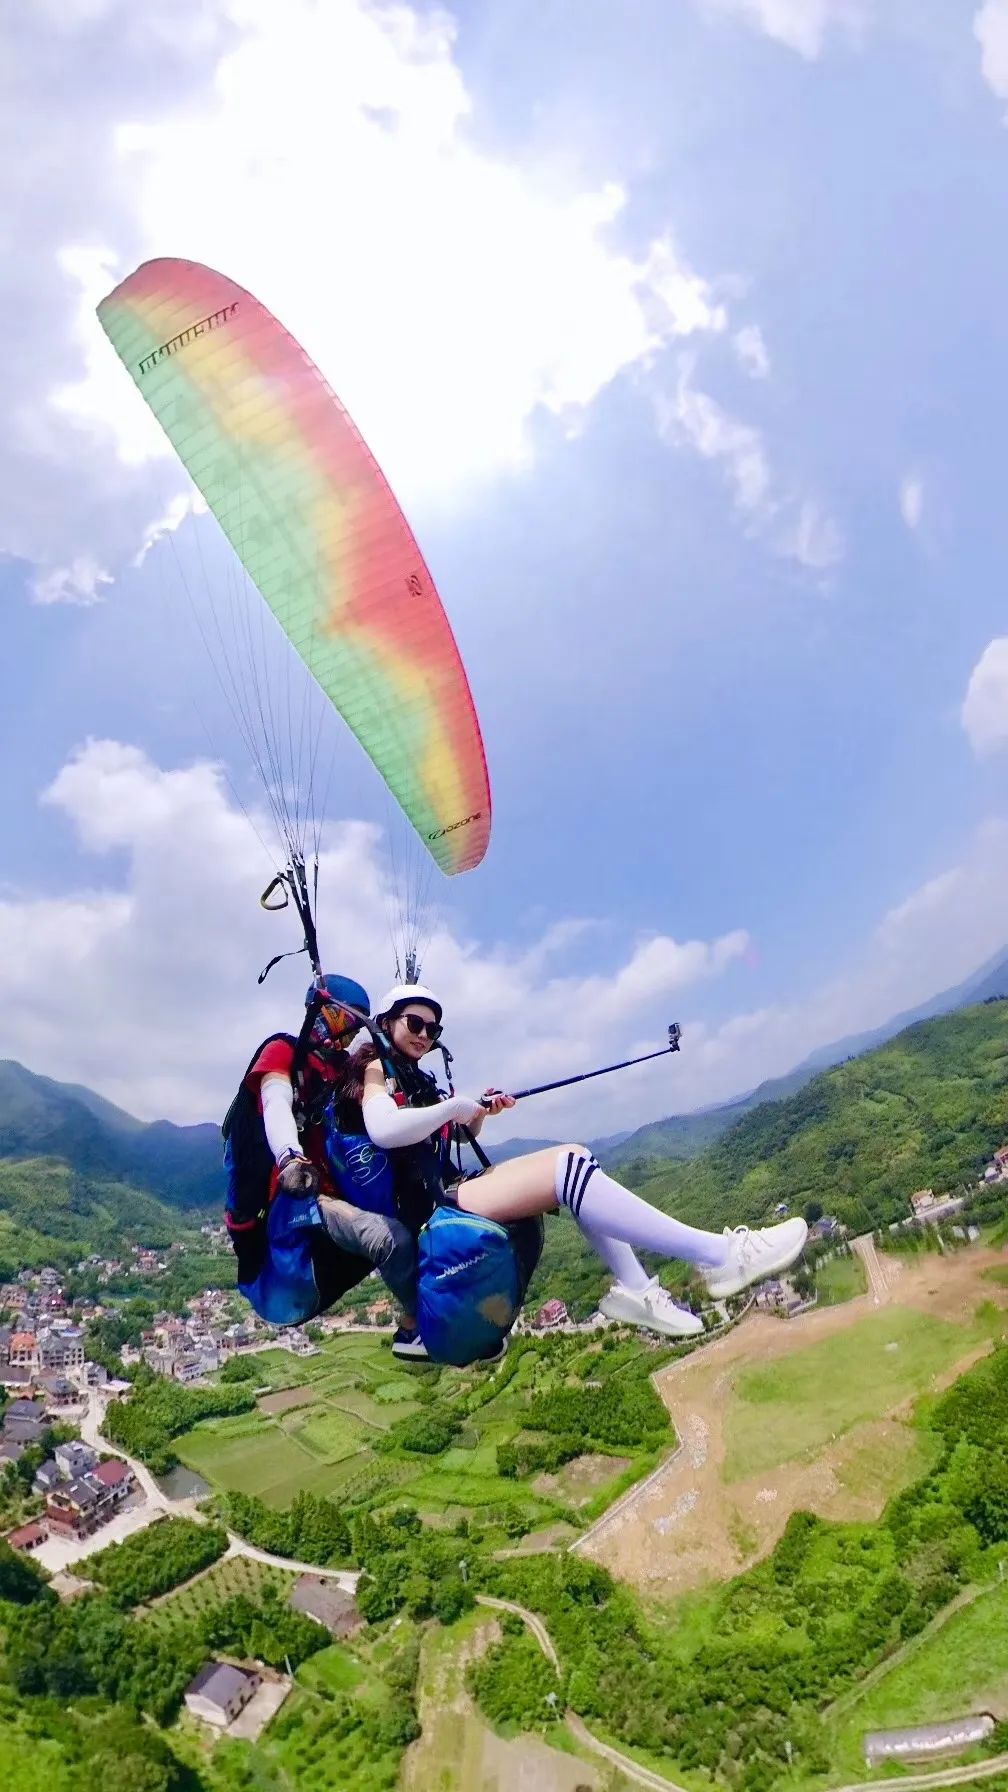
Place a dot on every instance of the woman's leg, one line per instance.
(619, 1259)
(568, 1176)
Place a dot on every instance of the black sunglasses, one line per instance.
(416, 1026)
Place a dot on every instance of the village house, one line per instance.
(27, 1536)
(78, 1508)
(220, 1691)
(75, 1508)
(927, 1207)
(322, 1598)
(117, 1478)
(23, 1352)
(74, 1459)
(826, 1227)
(997, 1169)
(47, 1476)
(5, 1338)
(63, 1349)
(552, 1313)
(16, 1378)
(778, 1297)
(187, 1368)
(24, 1421)
(59, 1391)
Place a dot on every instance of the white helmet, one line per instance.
(401, 995)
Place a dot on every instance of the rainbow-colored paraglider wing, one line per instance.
(310, 515)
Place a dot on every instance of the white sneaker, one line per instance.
(754, 1255)
(651, 1307)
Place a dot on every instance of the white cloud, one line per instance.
(695, 417)
(990, 28)
(911, 500)
(81, 582)
(328, 158)
(984, 712)
(176, 512)
(812, 538)
(751, 350)
(801, 25)
(159, 1009)
(798, 528)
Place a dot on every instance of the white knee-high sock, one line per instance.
(602, 1205)
(618, 1257)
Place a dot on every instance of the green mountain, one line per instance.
(43, 1118)
(682, 1136)
(52, 1214)
(927, 1109)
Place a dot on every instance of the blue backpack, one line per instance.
(472, 1275)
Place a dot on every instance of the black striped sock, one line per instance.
(574, 1172)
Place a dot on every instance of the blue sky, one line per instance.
(683, 343)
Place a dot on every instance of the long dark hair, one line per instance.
(418, 1086)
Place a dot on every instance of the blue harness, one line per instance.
(471, 1272)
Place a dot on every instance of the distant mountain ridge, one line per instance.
(181, 1165)
(40, 1117)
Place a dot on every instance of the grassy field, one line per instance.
(789, 1410)
(320, 1426)
(334, 1669)
(840, 1279)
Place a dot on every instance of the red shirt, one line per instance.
(320, 1076)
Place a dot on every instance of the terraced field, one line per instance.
(322, 1427)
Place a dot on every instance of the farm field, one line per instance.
(327, 1434)
(809, 1414)
(460, 1752)
(231, 1575)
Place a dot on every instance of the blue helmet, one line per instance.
(341, 990)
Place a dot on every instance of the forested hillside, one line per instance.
(925, 1110)
(52, 1214)
(43, 1118)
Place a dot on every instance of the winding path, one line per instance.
(657, 1782)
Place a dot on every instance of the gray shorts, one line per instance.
(384, 1243)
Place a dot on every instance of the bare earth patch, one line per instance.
(577, 1481)
(286, 1399)
(691, 1528)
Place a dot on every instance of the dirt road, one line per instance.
(879, 1279)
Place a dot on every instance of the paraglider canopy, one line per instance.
(313, 521)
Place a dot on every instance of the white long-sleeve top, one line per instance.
(277, 1093)
(392, 1127)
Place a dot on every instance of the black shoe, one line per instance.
(409, 1345)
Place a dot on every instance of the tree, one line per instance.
(21, 1580)
(813, 1210)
